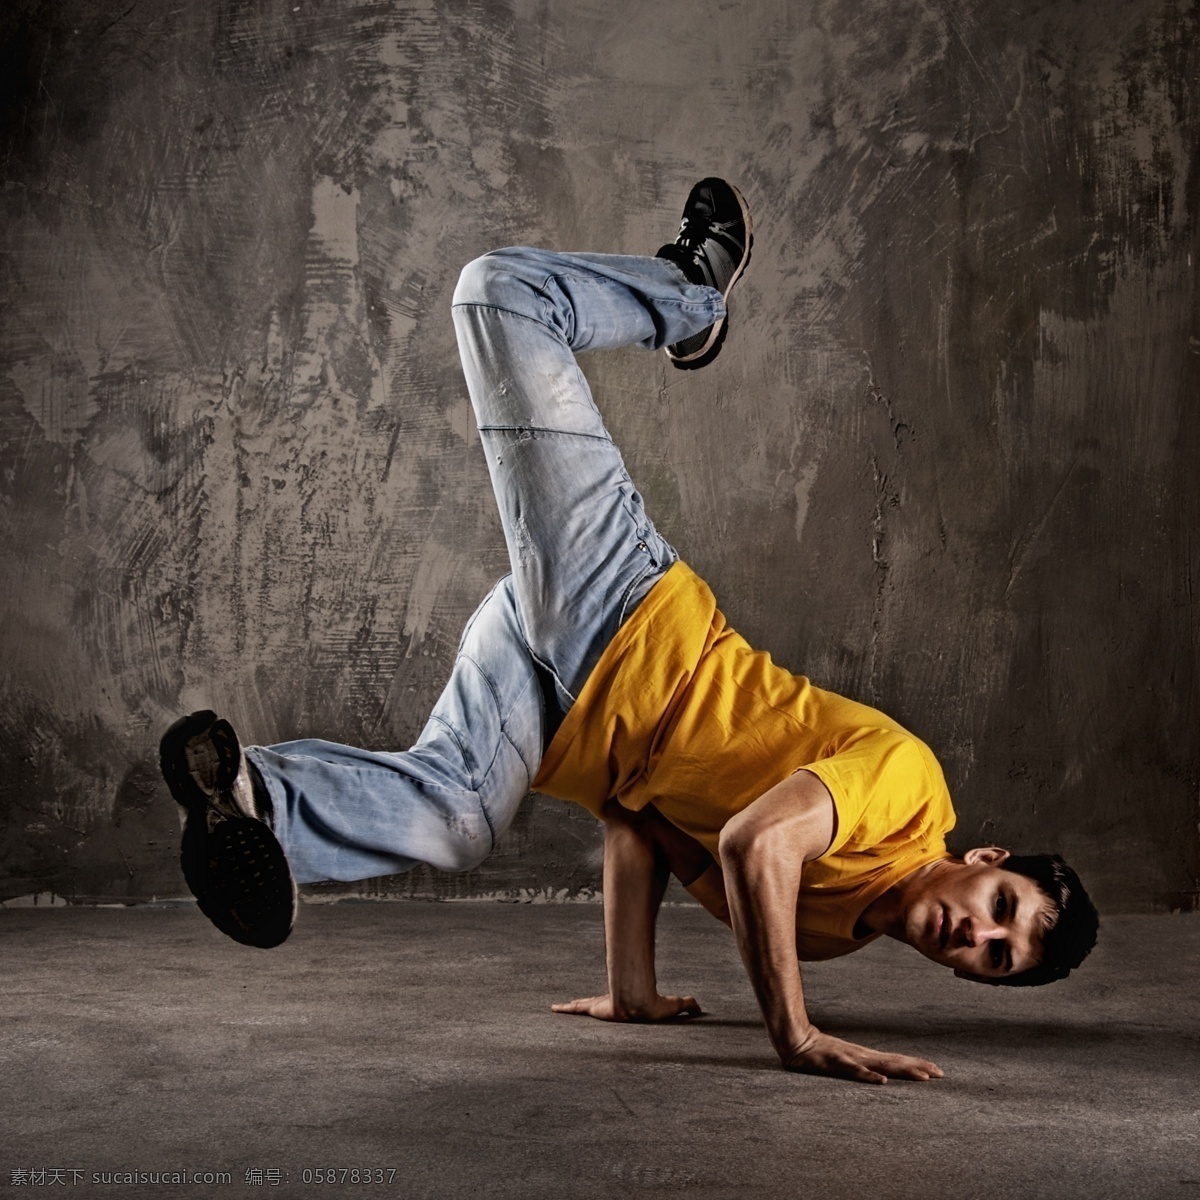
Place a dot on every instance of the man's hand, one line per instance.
(603, 1008)
(824, 1055)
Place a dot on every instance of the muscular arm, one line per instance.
(763, 851)
(639, 856)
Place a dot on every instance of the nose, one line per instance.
(980, 932)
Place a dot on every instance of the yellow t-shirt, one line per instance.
(681, 713)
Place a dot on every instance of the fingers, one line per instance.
(900, 1066)
(582, 1007)
(662, 1008)
(880, 1072)
(844, 1068)
(824, 1055)
(685, 1006)
(866, 1075)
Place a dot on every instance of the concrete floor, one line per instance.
(418, 1038)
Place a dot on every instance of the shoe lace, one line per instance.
(694, 231)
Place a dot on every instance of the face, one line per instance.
(982, 921)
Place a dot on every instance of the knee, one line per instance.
(464, 855)
(493, 279)
(465, 843)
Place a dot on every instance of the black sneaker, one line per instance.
(712, 247)
(230, 856)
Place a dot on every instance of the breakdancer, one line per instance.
(602, 672)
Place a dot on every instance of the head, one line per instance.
(1002, 919)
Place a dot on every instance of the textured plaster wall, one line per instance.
(945, 463)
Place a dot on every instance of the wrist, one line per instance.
(632, 999)
(796, 1041)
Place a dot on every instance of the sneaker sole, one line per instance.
(711, 347)
(241, 880)
(233, 864)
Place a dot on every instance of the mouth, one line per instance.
(943, 928)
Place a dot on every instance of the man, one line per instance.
(601, 671)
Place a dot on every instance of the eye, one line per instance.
(996, 953)
(1001, 905)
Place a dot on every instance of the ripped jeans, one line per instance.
(583, 555)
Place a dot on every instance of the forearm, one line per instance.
(635, 878)
(641, 850)
(636, 869)
(763, 851)
(761, 886)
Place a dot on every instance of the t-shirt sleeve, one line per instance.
(887, 791)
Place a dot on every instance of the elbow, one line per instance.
(738, 843)
(749, 846)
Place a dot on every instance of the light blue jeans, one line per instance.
(583, 555)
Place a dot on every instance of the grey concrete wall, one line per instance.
(944, 463)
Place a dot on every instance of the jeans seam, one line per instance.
(543, 322)
(555, 276)
(528, 773)
(512, 312)
(595, 437)
(487, 679)
(504, 726)
(483, 807)
(479, 777)
(467, 757)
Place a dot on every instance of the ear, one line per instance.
(987, 856)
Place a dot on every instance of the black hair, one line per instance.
(1069, 940)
